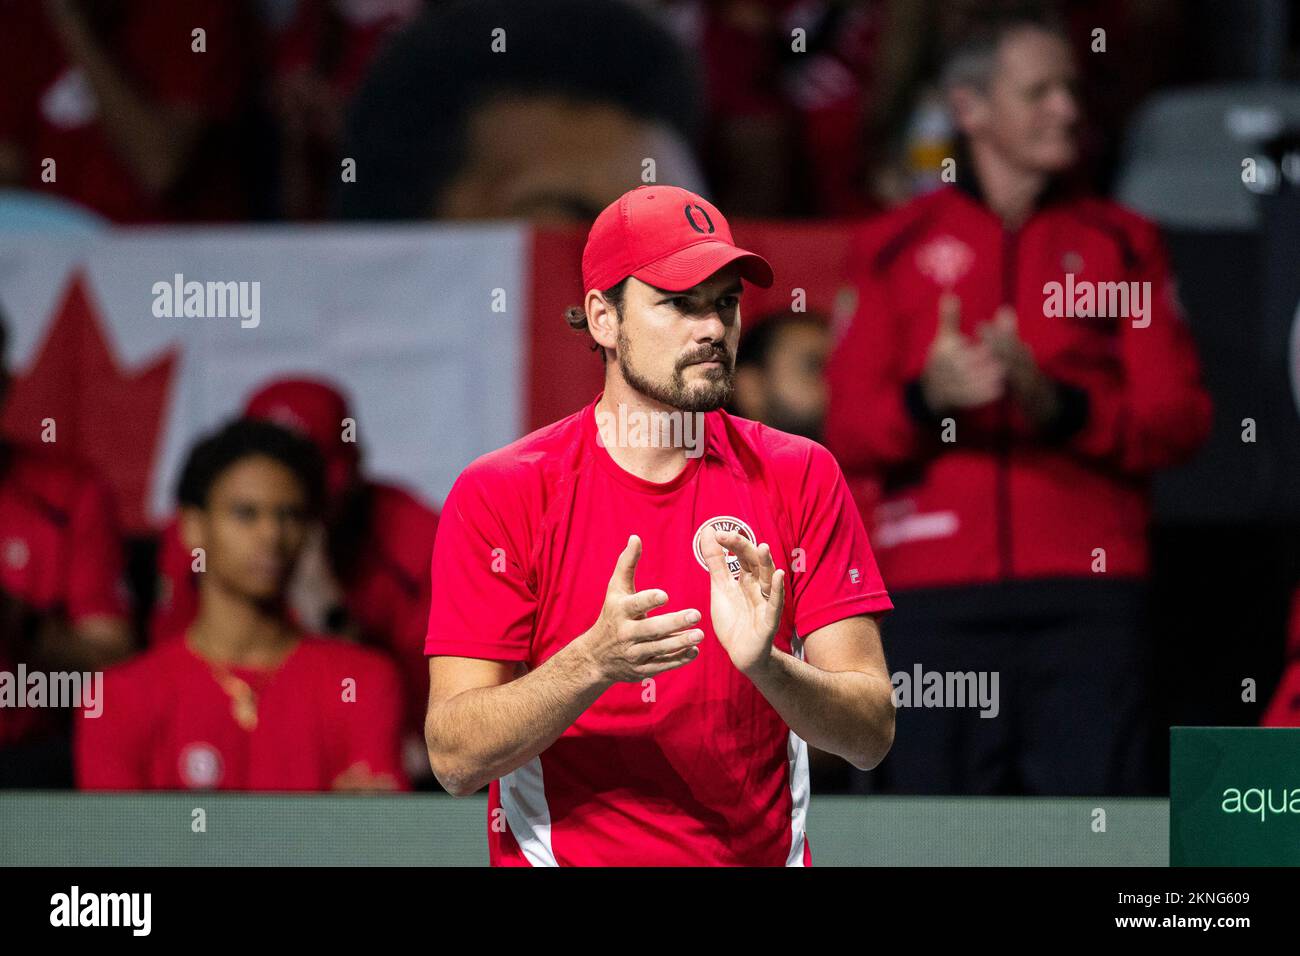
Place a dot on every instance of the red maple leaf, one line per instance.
(103, 416)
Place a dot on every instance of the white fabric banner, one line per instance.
(423, 326)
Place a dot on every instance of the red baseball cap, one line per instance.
(667, 237)
(314, 409)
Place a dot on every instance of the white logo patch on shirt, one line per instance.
(723, 523)
(945, 260)
(16, 553)
(200, 766)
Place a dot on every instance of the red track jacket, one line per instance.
(1002, 502)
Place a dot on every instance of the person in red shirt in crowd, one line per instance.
(634, 631)
(63, 600)
(364, 570)
(1015, 410)
(243, 699)
(112, 104)
(785, 125)
(1284, 708)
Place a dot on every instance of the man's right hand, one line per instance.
(626, 645)
(959, 373)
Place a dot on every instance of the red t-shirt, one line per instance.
(387, 592)
(169, 722)
(59, 552)
(696, 768)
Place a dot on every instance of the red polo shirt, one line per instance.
(171, 721)
(387, 591)
(694, 767)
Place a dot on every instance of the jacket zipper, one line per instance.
(1010, 242)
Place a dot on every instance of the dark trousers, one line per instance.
(1074, 689)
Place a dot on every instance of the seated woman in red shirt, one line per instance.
(246, 701)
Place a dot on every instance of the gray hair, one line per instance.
(972, 59)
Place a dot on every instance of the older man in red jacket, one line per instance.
(1016, 368)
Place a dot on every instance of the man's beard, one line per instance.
(706, 396)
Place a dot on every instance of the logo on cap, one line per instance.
(690, 217)
(640, 235)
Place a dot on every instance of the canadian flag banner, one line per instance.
(449, 340)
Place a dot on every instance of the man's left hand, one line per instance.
(746, 611)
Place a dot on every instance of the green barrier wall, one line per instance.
(71, 829)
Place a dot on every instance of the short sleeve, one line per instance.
(96, 575)
(481, 602)
(834, 575)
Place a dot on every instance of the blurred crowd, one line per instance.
(218, 110)
(278, 532)
(231, 110)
